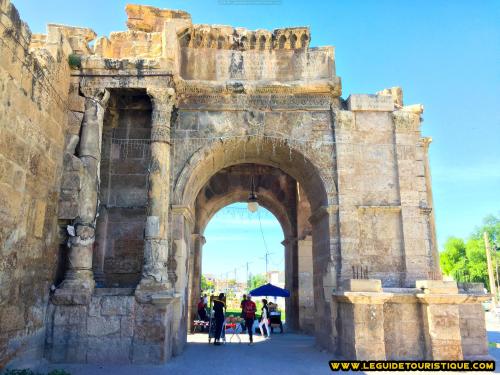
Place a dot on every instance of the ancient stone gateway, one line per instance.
(169, 122)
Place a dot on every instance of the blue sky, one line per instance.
(445, 55)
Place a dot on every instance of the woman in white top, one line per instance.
(264, 318)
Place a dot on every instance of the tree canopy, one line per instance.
(465, 260)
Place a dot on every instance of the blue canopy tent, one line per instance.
(269, 290)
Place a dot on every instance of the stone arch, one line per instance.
(253, 41)
(244, 43)
(293, 41)
(208, 160)
(262, 42)
(269, 203)
(198, 40)
(220, 42)
(282, 42)
(304, 40)
(185, 39)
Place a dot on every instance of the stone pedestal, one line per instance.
(446, 324)
(361, 320)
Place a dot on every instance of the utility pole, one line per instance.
(248, 277)
(493, 288)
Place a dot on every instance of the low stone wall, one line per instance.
(113, 328)
(432, 323)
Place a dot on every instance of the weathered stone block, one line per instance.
(117, 305)
(363, 285)
(437, 286)
(363, 102)
(109, 350)
(70, 315)
(103, 326)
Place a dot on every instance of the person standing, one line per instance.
(202, 313)
(263, 319)
(242, 306)
(249, 313)
(219, 307)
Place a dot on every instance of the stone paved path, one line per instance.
(282, 354)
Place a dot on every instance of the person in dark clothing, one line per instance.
(202, 313)
(219, 307)
(249, 312)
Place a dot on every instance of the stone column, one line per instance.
(195, 278)
(79, 279)
(154, 273)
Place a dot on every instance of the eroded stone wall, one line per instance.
(113, 328)
(34, 85)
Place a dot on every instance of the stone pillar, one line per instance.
(291, 282)
(182, 226)
(79, 279)
(306, 291)
(441, 315)
(413, 191)
(361, 320)
(195, 278)
(326, 265)
(154, 273)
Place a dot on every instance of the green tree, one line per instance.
(466, 260)
(453, 257)
(257, 280)
(205, 284)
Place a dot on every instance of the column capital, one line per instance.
(161, 96)
(163, 100)
(200, 237)
(98, 95)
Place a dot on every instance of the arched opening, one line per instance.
(243, 250)
(205, 185)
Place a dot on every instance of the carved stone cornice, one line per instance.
(186, 88)
(388, 208)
